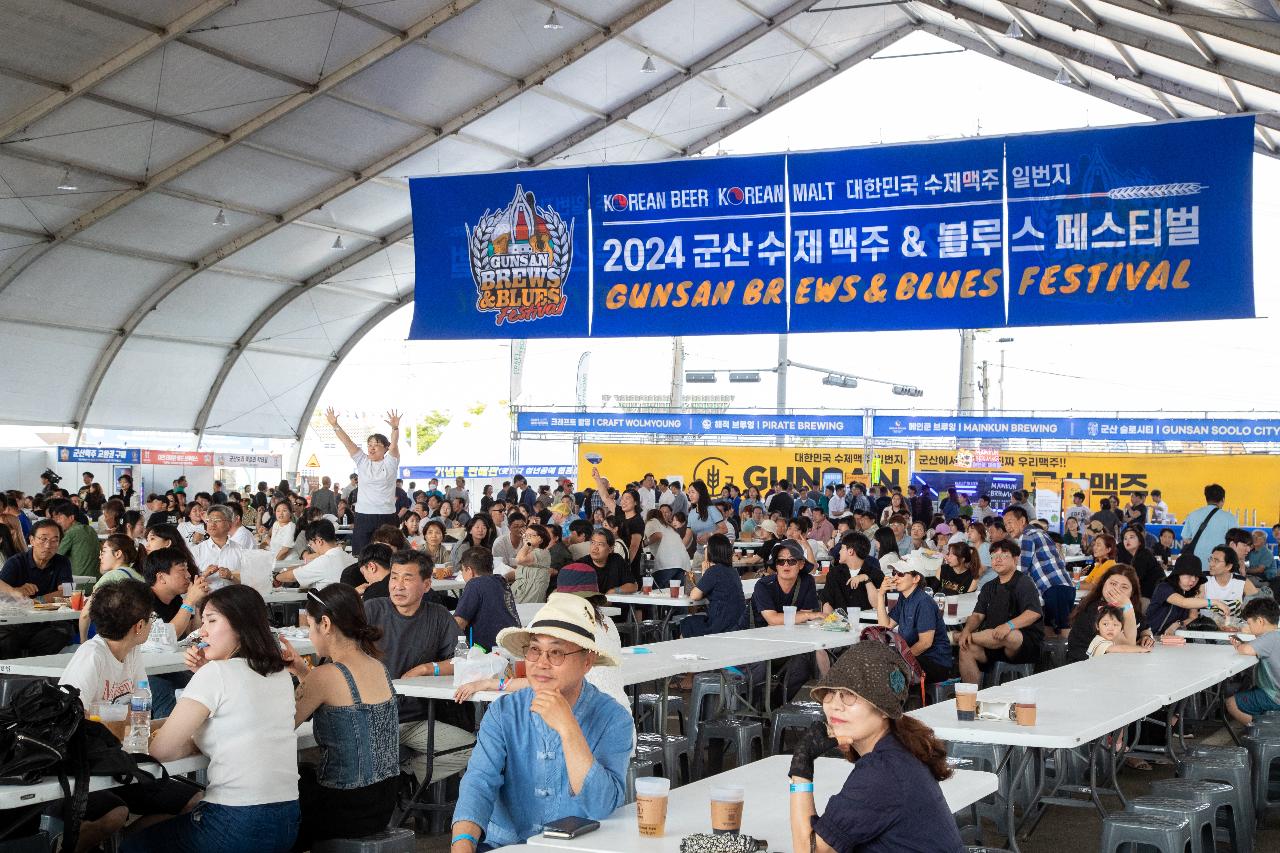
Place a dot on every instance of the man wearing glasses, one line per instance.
(37, 572)
(558, 748)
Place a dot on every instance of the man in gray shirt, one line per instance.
(324, 498)
(418, 639)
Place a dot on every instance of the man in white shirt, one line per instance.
(239, 533)
(350, 487)
(982, 509)
(838, 506)
(328, 563)
(1078, 510)
(648, 494)
(506, 546)
(218, 557)
(377, 467)
(1159, 509)
(459, 491)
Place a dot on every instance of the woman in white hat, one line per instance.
(558, 748)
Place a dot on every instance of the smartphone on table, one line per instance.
(569, 827)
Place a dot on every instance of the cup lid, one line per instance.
(652, 785)
(728, 793)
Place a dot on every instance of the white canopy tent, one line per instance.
(204, 206)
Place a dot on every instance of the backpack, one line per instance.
(893, 640)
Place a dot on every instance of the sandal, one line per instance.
(1136, 764)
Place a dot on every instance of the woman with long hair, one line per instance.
(862, 696)
(704, 519)
(1175, 602)
(961, 568)
(411, 527)
(1072, 535)
(351, 792)
(118, 561)
(897, 506)
(480, 533)
(135, 527)
(977, 534)
(112, 518)
(239, 711)
(1117, 587)
(1104, 557)
(1143, 561)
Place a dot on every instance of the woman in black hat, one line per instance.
(891, 800)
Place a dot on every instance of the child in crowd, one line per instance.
(1260, 618)
(1110, 639)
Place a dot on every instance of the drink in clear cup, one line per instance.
(855, 616)
(651, 805)
(676, 589)
(647, 583)
(966, 701)
(77, 600)
(789, 617)
(726, 809)
(940, 600)
(67, 589)
(953, 605)
(1025, 706)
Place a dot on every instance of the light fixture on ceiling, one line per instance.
(337, 243)
(1063, 77)
(553, 22)
(221, 218)
(1014, 31)
(907, 391)
(722, 104)
(66, 183)
(648, 67)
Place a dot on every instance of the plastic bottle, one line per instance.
(138, 732)
(461, 649)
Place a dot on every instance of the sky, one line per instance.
(1215, 365)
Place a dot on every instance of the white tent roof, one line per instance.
(299, 120)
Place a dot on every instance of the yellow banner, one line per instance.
(1249, 480)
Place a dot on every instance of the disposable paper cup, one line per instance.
(675, 589)
(726, 809)
(953, 605)
(1025, 706)
(789, 616)
(647, 582)
(67, 589)
(855, 616)
(651, 805)
(966, 701)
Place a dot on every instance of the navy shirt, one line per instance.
(726, 605)
(917, 613)
(889, 804)
(487, 606)
(21, 569)
(1162, 613)
(768, 595)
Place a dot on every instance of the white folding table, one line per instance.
(29, 617)
(765, 812)
(157, 663)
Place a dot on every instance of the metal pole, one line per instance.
(964, 398)
(782, 378)
(1002, 381)
(677, 374)
(986, 390)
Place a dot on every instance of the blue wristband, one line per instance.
(1012, 627)
(436, 671)
(461, 836)
(188, 608)
(802, 787)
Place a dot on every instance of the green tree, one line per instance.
(429, 430)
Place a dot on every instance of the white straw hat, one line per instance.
(566, 617)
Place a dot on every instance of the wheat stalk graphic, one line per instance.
(1156, 191)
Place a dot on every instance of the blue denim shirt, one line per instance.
(517, 780)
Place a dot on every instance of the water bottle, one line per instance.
(461, 648)
(138, 736)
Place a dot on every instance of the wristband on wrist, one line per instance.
(435, 670)
(802, 787)
(1127, 607)
(188, 608)
(502, 682)
(462, 836)
(1012, 627)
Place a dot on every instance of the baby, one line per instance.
(1109, 639)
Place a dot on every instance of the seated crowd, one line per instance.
(559, 744)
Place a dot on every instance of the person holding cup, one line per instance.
(915, 616)
(558, 748)
(791, 585)
(891, 799)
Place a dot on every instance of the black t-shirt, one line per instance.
(613, 574)
(166, 612)
(627, 528)
(378, 589)
(952, 582)
(488, 606)
(1000, 602)
(1162, 613)
(1148, 571)
(1083, 630)
(782, 502)
(837, 592)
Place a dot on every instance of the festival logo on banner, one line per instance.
(520, 258)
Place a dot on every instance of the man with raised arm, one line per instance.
(377, 467)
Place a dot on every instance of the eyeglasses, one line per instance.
(847, 698)
(47, 540)
(555, 657)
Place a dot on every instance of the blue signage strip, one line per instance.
(674, 423)
(126, 455)
(1088, 429)
(486, 472)
(1129, 224)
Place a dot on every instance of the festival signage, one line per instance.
(674, 423)
(126, 455)
(247, 460)
(486, 472)
(185, 458)
(1128, 224)
(1087, 429)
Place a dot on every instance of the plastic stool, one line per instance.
(1264, 750)
(985, 756)
(1219, 796)
(942, 691)
(387, 841)
(1200, 815)
(1166, 834)
(707, 685)
(1235, 771)
(635, 768)
(736, 731)
(1054, 652)
(1004, 671)
(648, 704)
(677, 754)
(794, 715)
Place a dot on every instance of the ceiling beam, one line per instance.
(535, 78)
(1067, 53)
(279, 110)
(707, 62)
(1257, 34)
(783, 98)
(1140, 40)
(68, 92)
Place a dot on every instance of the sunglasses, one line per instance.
(785, 561)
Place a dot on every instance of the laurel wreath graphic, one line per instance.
(477, 238)
(482, 233)
(563, 254)
(1155, 191)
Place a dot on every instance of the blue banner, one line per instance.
(126, 455)
(1127, 224)
(1087, 429)
(1131, 224)
(486, 472)
(673, 423)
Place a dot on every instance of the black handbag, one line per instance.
(36, 729)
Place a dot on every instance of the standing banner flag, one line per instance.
(1113, 225)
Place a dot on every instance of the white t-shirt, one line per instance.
(669, 553)
(249, 736)
(207, 554)
(324, 569)
(1099, 646)
(188, 530)
(1232, 594)
(99, 676)
(377, 495)
(243, 537)
(282, 536)
(648, 499)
